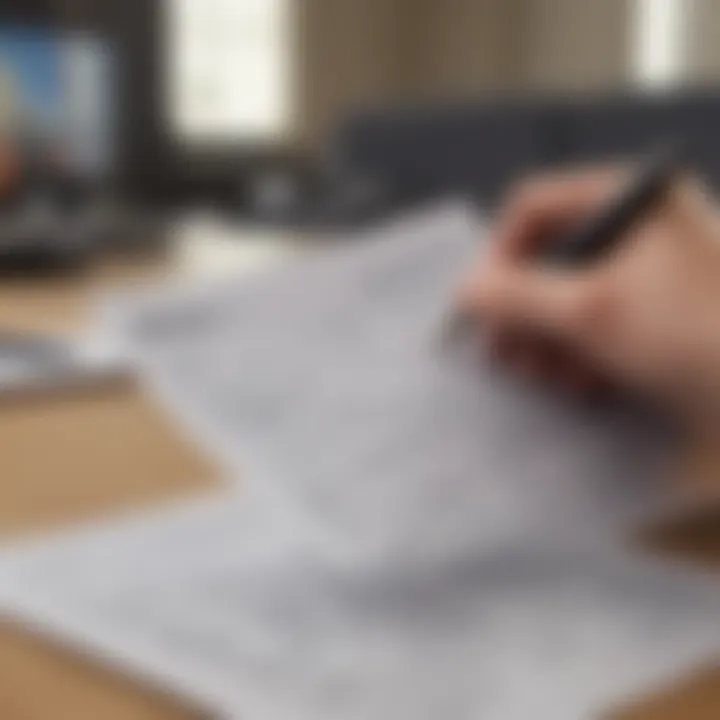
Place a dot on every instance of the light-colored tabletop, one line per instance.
(94, 453)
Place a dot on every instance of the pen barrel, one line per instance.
(601, 233)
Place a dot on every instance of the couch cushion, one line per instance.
(602, 129)
(424, 152)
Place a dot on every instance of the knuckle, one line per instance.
(593, 309)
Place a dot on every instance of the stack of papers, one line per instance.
(416, 537)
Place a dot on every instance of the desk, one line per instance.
(111, 450)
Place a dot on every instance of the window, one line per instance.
(659, 41)
(229, 65)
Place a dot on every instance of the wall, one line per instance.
(702, 40)
(576, 45)
(360, 52)
(347, 56)
(465, 47)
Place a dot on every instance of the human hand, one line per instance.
(647, 316)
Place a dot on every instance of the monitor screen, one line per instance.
(56, 92)
(30, 83)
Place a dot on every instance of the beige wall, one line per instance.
(373, 52)
(348, 56)
(702, 40)
(576, 45)
(465, 47)
(354, 53)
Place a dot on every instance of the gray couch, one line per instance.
(420, 152)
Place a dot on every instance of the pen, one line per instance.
(602, 231)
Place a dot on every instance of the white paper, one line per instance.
(328, 379)
(228, 605)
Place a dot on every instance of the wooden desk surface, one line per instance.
(65, 459)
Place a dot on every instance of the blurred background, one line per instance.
(319, 112)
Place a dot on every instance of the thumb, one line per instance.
(559, 303)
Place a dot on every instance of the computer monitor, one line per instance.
(30, 83)
(56, 94)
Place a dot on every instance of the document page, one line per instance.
(230, 606)
(329, 378)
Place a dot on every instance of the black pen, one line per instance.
(594, 238)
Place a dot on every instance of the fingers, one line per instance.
(543, 321)
(541, 361)
(535, 211)
(566, 306)
(545, 204)
(548, 325)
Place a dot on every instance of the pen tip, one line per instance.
(455, 325)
